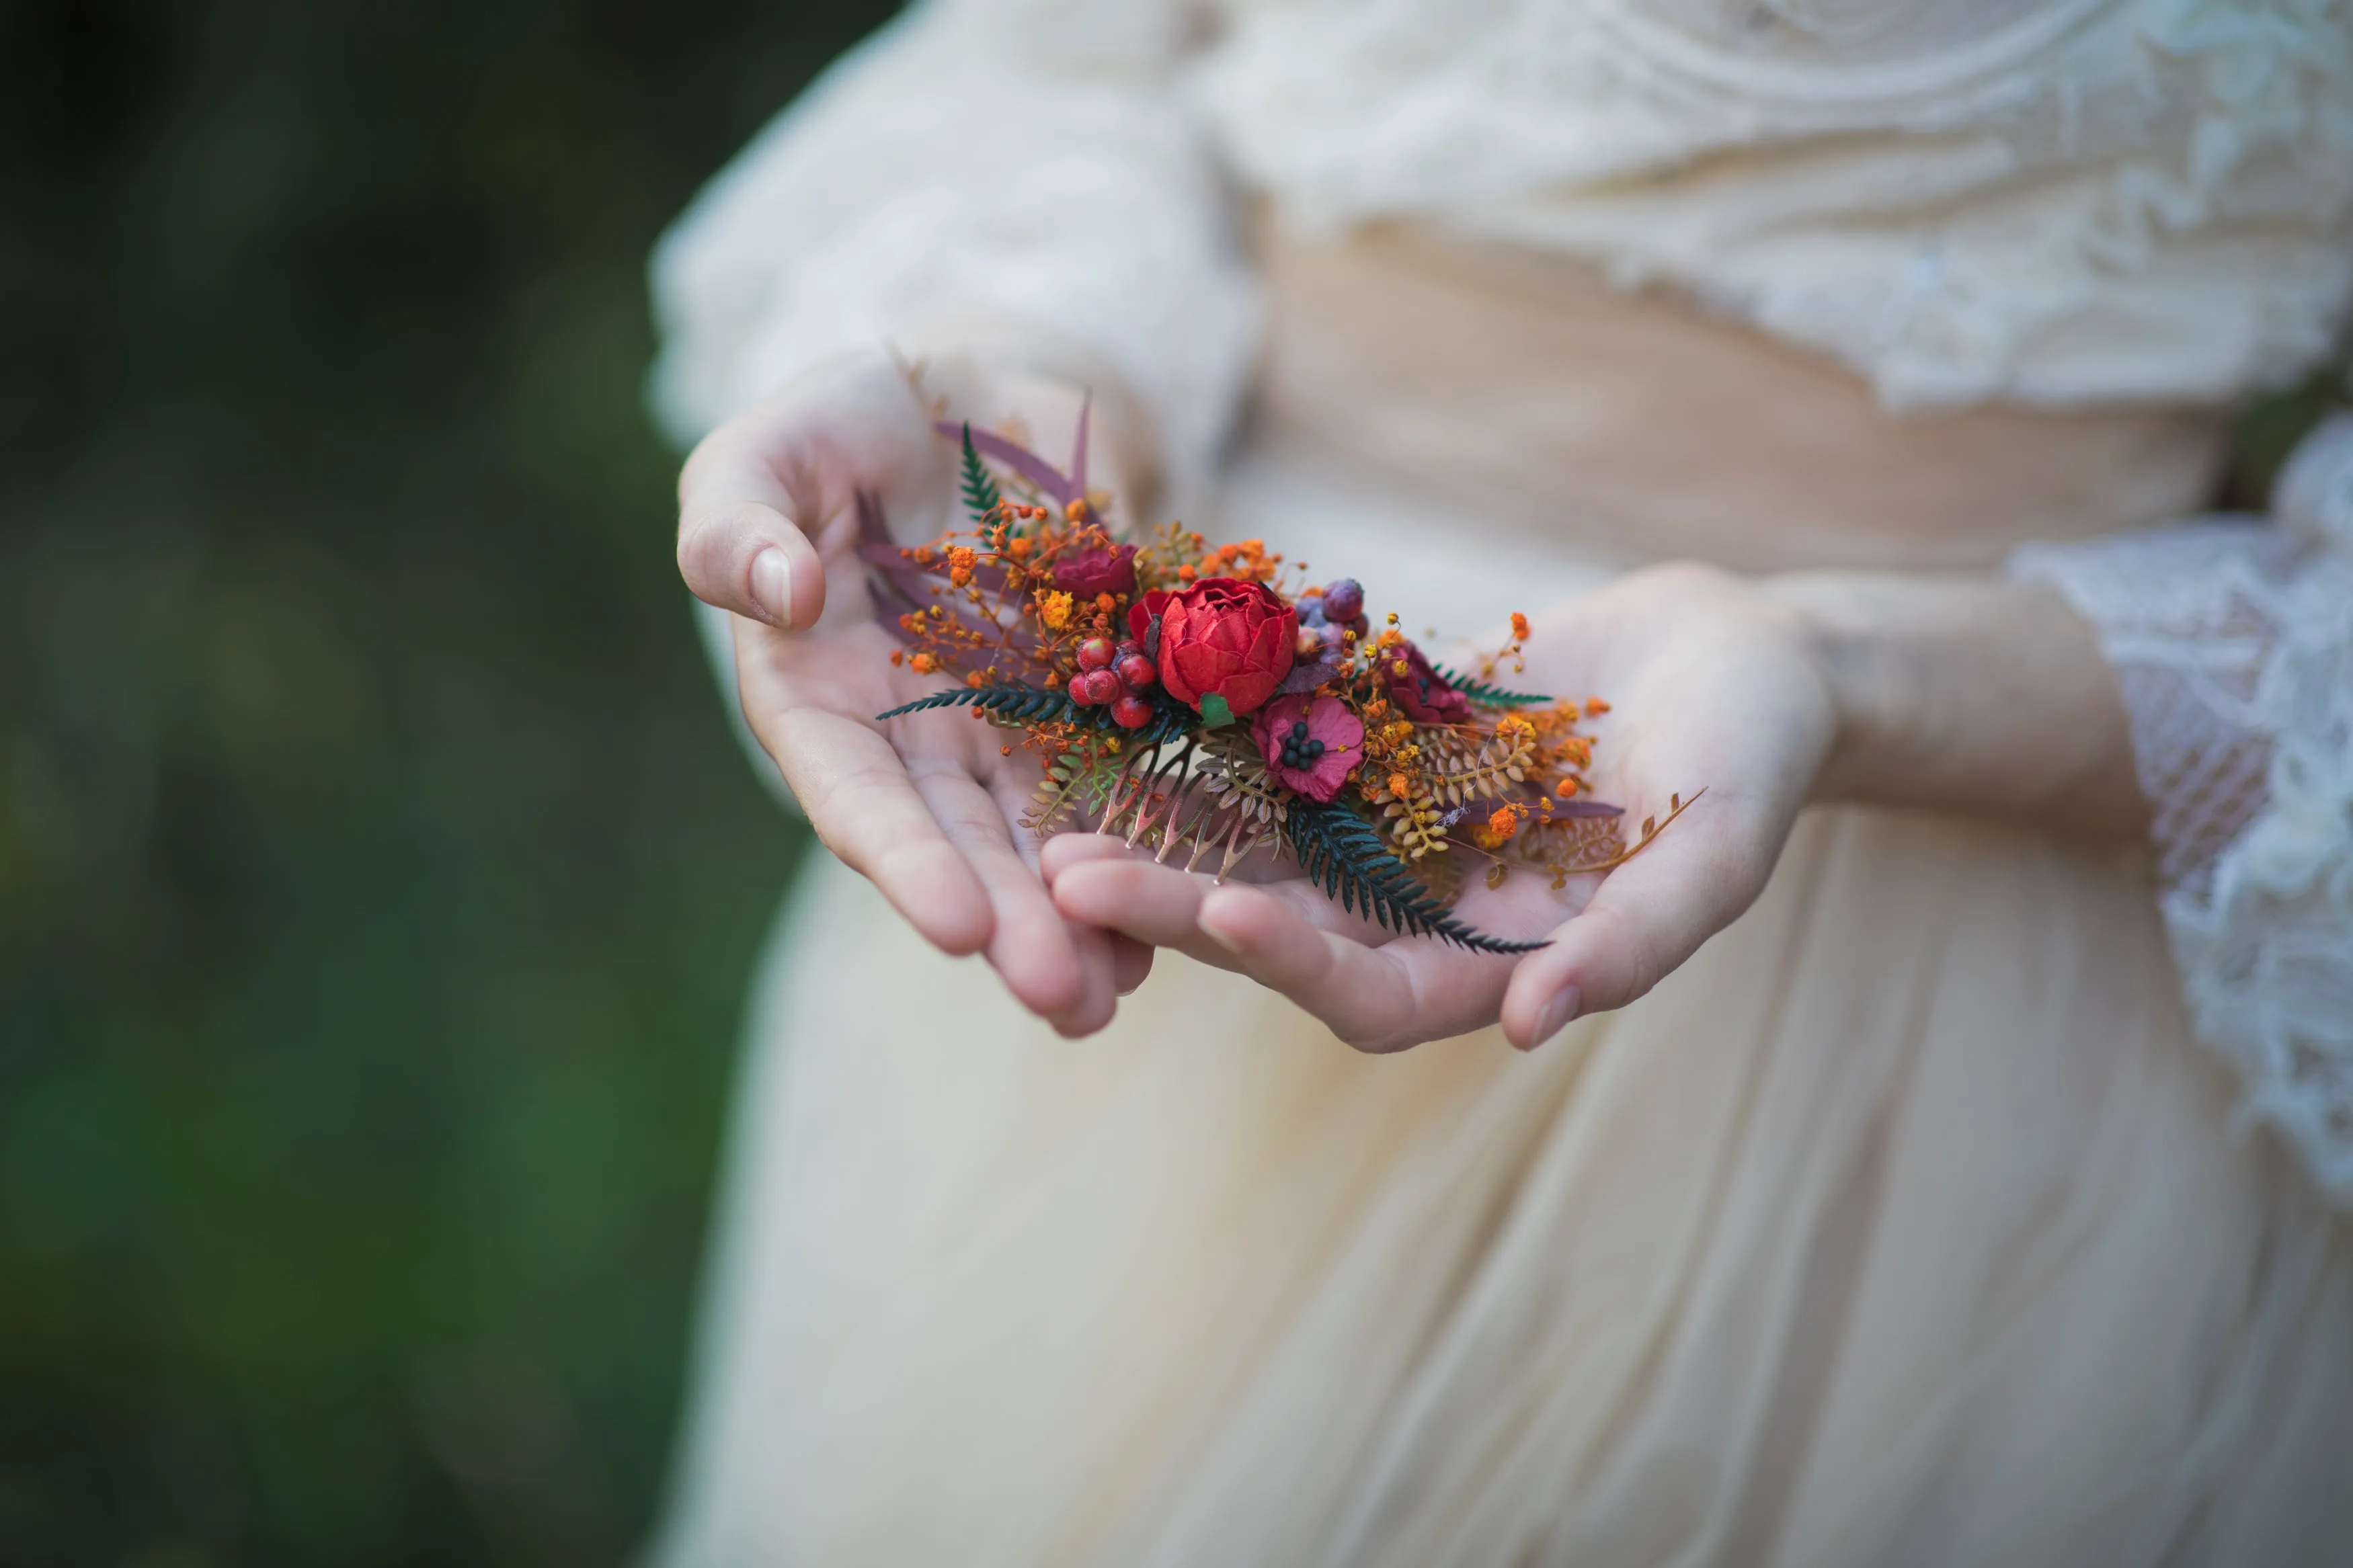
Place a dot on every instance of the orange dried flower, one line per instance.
(960, 564)
(1595, 708)
(1054, 609)
(924, 663)
(1399, 785)
(1566, 789)
(1519, 626)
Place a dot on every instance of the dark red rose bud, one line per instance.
(1135, 671)
(1419, 690)
(1095, 653)
(1130, 712)
(1095, 688)
(1343, 601)
(1224, 638)
(1088, 573)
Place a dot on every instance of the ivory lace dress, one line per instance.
(1975, 1198)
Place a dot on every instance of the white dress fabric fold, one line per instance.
(1905, 1223)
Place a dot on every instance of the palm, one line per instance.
(926, 806)
(1709, 694)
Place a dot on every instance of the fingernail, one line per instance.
(772, 587)
(1557, 1015)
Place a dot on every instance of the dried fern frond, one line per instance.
(1461, 772)
(1074, 782)
(1416, 822)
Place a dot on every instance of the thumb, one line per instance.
(744, 554)
(1647, 917)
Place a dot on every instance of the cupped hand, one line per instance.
(1714, 687)
(924, 807)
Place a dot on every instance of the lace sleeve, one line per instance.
(1022, 160)
(2233, 641)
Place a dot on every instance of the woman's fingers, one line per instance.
(867, 810)
(1376, 999)
(1098, 883)
(1647, 917)
(1131, 963)
(1062, 975)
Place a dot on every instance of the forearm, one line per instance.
(1967, 694)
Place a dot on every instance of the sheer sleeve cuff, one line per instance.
(2232, 639)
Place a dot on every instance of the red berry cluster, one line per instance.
(1115, 676)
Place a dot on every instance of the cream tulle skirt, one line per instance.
(1905, 1224)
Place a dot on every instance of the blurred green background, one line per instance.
(379, 882)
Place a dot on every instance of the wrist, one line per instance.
(1973, 695)
(1841, 635)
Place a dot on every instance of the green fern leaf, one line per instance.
(981, 495)
(1035, 705)
(1488, 696)
(1342, 853)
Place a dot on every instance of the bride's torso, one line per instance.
(1524, 387)
(2058, 202)
(1807, 282)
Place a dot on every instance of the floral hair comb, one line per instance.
(1196, 698)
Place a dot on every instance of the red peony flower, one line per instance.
(1222, 638)
(1106, 569)
(1420, 692)
(1311, 743)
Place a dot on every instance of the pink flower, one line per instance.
(1311, 743)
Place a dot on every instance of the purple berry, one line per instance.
(1343, 601)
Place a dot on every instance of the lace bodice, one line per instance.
(2055, 200)
(2058, 202)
